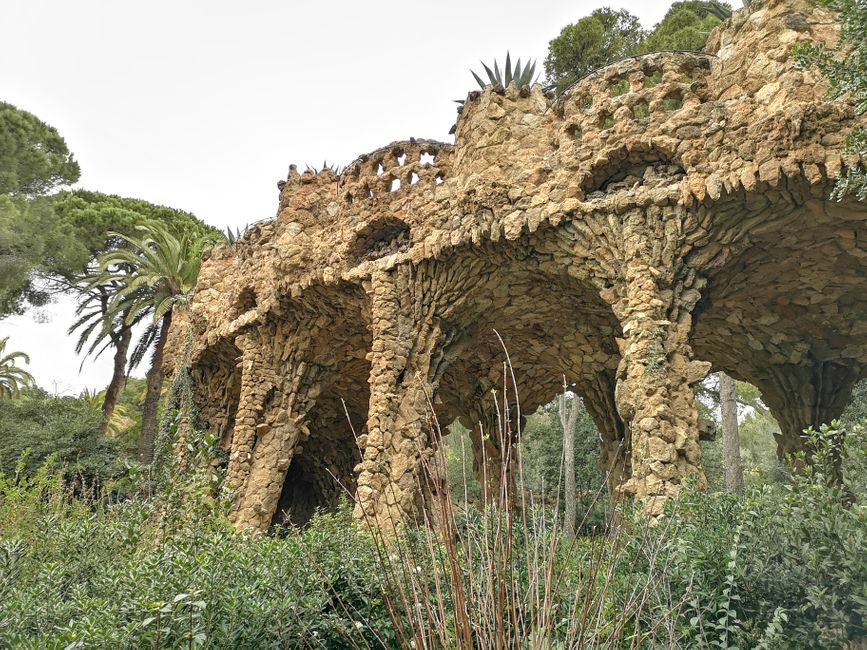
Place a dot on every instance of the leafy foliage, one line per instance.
(12, 378)
(796, 552)
(31, 240)
(37, 425)
(163, 273)
(99, 222)
(686, 26)
(592, 42)
(774, 569)
(845, 68)
(122, 418)
(607, 35)
(60, 237)
(34, 161)
(150, 277)
(34, 158)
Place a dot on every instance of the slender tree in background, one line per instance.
(731, 439)
(163, 273)
(569, 409)
(100, 222)
(12, 378)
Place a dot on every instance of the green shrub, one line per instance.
(793, 554)
(99, 574)
(36, 425)
(782, 567)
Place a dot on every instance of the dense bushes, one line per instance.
(779, 568)
(74, 574)
(36, 425)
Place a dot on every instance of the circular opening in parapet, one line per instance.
(382, 237)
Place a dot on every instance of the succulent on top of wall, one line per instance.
(501, 79)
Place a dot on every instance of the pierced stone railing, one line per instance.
(633, 92)
(396, 170)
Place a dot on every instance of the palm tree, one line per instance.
(97, 326)
(121, 419)
(156, 273)
(12, 378)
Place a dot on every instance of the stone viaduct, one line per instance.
(665, 216)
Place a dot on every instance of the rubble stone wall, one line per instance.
(665, 216)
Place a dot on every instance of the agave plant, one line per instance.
(232, 236)
(525, 76)
(12, 378)
(325, 165)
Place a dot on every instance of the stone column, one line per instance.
(257, 384)
(494, 456)
(405, 365)
(615, 455)
(656, 371)
(805, 396)
(271, 433)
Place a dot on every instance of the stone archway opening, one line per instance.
(551, 325)
(630, 169)
(786, 323)
(321, 475)
(217, 383)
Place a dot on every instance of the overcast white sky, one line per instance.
(203, 106)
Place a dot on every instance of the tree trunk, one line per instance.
(152, 396)
(731, 438)
(117, 378)
(568, 420)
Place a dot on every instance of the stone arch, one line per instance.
(552, 325)
(636, 166)
(381, 237)
(787, 322)
(294, 448)
(539, 184)
(322, 471)
(216, 377)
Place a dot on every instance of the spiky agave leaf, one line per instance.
(521, 76)
(528, 78)
(478, 80)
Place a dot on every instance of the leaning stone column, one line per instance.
(615, 457)
(257, 382)
(656, 370)
(805, 396)
(277, 429)
(405, 362)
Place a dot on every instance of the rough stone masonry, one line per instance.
(666, 215)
